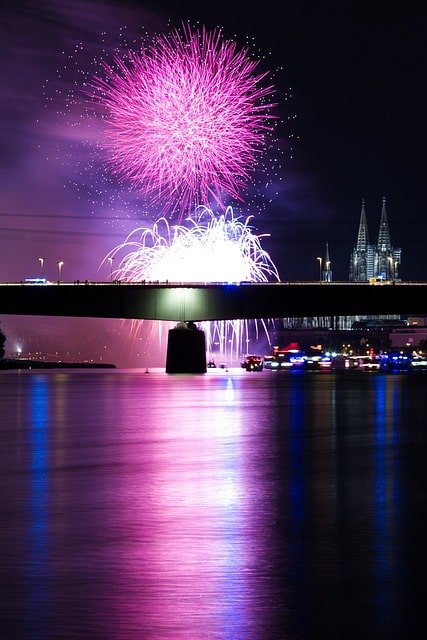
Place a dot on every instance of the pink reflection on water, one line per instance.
(187, 516)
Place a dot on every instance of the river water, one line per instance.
(225, 506)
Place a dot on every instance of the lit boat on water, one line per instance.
(285, 358)
(292, 357)
(281, 361)
(419, 363)
(358, 363)
(397, 361)
(252, 362)
(314, 359)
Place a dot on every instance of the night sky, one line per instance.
(352, 105)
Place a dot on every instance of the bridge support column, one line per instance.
(186, 351)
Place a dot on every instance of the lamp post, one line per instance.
(320, 268)
(391, 269)
(60, 265)
(41, 260)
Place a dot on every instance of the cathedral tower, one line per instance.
(380, 261)
(387, 259)
(362, 258)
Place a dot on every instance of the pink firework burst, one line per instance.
(186, 119)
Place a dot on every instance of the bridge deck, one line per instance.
(199, 302)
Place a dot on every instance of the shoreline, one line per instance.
(10, 363)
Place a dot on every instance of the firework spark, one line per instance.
(209, 249)
(216, 248)
(186, 119)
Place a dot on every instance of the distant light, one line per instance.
(35, 280)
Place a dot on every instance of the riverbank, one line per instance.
(10, 363)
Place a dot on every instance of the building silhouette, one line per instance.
(379, 261)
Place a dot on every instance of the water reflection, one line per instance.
(36, 573)
(202, 500)
(229, 506)
(386, 492)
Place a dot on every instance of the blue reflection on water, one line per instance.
(386, 496)
(297, 447)
(38, 500)
(297, 490)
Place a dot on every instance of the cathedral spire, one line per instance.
(374, 262)
(362, 238)
(384, 243)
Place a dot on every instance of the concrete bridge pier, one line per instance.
(186, 350)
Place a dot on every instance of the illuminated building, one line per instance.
(378, 262)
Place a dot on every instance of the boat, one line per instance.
(288, 357)
(252, 362)
(419, 363)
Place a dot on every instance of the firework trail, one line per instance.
(186, 119)
(216, 248)
(209, 249)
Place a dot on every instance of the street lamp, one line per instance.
(320, 268)
(60, 265)
(391, 269)
(41, 260)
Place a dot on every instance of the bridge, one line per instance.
(199, 302)
(189, 303)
